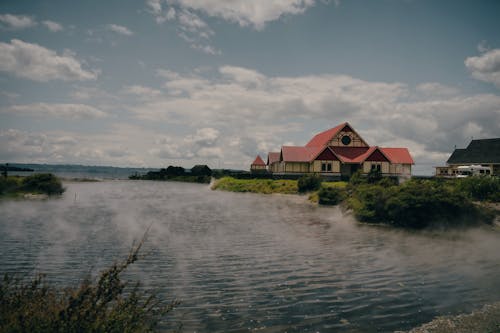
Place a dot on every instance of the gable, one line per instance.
(377, 156)
(347, 137)
(327, 155)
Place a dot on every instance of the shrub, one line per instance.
(374, 176)
(480, 188)
(8, 184)
(415, 204)
(357, 178)
(330, 196)
(309, 183)
(42, 183)
(106, 305)
(368, 202)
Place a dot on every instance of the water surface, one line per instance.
(247, 262)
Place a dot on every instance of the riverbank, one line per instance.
(486, 319)
(414, 204)
(38, 186)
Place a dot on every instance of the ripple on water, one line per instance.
(242, 262)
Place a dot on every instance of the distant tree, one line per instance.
(175, 171)
(201, 170)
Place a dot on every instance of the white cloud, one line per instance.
(52, 26)
(485, 67)
(119, 29)
(154, 6)
(436, 89)
(254, 113)
(35, 62)
(16, 22)
(254, 13)
(141, 91)
(71, 111)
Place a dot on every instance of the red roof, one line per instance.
(353, 154)
(258, 161)
(273, 157)
(321, 139)
(398, 155)
(299, 154)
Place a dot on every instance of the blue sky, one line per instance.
(160, 82)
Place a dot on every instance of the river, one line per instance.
(249, 262)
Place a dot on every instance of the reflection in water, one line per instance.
(241, 262)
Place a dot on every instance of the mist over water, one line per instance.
(244, 262)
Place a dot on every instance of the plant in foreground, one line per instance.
(104, 305)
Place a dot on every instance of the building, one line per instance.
(340, 151)
(258, 165)
(484, 152)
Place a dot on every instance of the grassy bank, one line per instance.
(415, 204)
(44, 184)
(265, 186)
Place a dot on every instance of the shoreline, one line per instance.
(485, 319)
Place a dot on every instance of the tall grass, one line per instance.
(106, 304)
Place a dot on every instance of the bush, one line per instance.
(415, 204)
(42, 183)
(330, 196)
(8, 185)
(106, 305)
(480, 188)
(309, 183)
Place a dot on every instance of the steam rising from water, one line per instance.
(240, 262)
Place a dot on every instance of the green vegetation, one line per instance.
(198, 174)
(104, 305)
(480, 188)
(330, 195)
(266, 186)
(44, 183)
(415, 204)
(308, 183)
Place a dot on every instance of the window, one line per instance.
(323, 166)
(326, 167)
(376, 167)
(329, 167)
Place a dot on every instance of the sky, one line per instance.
(154, 83)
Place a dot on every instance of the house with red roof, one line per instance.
(340, 151)
(258, 165)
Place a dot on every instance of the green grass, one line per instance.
(264, 186)
(339, 184)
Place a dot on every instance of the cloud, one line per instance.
(485, 67)
(203, 144)
(70, 111)
(248, 13)
(119, 29)
(65, 147)
(16, 22)
(141, 91)
(249, 113)
(436, 89)
(195, 31)
(52, 26)
(37, 63)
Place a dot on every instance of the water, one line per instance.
(245, 262)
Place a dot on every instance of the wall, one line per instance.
(296, 167)
(316, 166)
